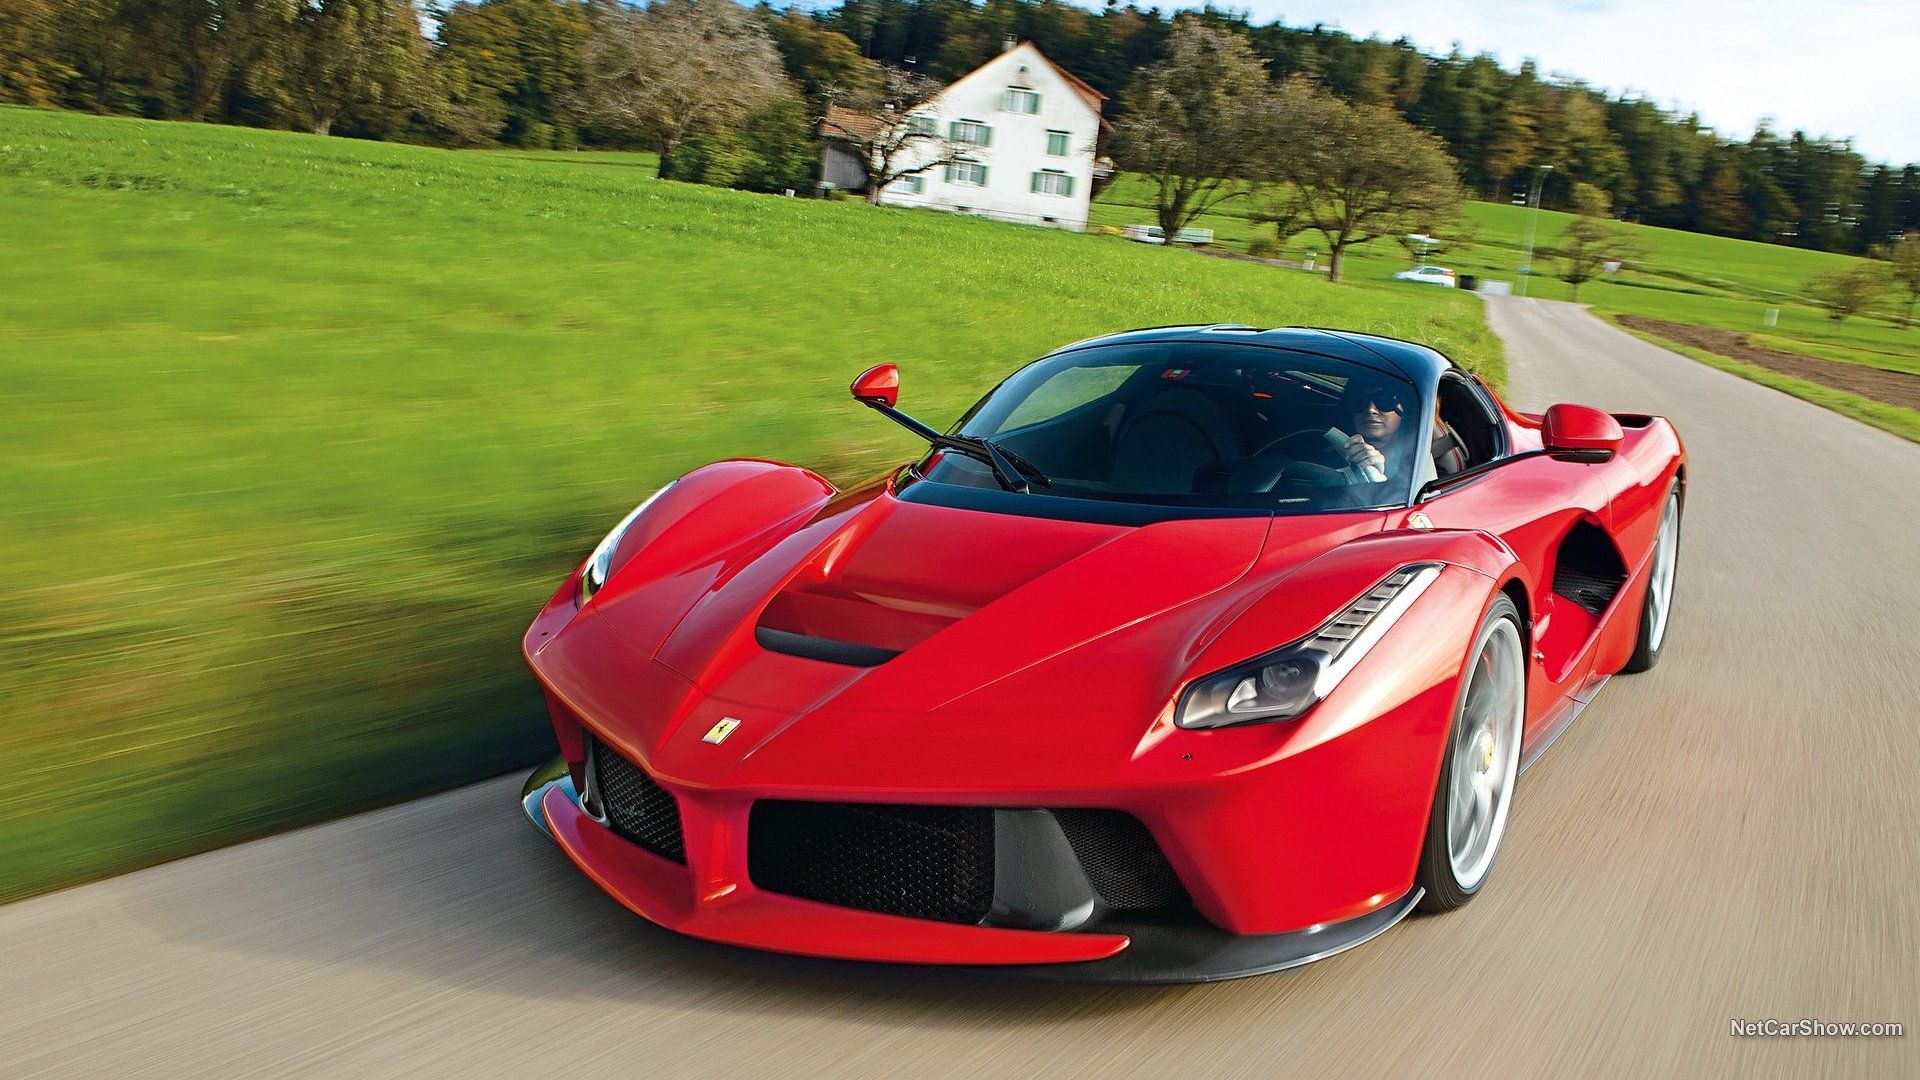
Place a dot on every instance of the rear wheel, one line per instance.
(1477, 773)
(1658, 609)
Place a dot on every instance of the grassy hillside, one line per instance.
(302, 431)
(1688, 277)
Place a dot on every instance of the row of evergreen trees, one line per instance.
(512, 72)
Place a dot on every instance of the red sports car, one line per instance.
(1187, 653)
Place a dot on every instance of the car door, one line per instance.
(1541, 508)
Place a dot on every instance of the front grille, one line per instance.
(635, 807)
(924, 862)
(1125, 866)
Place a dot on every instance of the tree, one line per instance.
(825, 63)
(1846, 291)
(1903, 265)
(1588, 245)
(352, 56)
(28, 71)
(1353, 173)
(883, 131)
(191, 54)
(1194, 122)
(518, 66)
(677, 68)
(772, 151)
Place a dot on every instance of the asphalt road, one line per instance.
(1736, 834)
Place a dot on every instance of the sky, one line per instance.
(1842, 68)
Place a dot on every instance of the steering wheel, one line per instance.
(1321, 450)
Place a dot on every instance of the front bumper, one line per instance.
(1113, 949)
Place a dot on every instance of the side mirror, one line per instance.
(1580, 433)
(881, 385)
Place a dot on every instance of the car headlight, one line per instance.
(1286, 682)
(594, 574)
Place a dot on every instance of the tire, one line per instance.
(1656, 611)
(1479, 766)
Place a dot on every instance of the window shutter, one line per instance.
(1068, 186)
(949, 174)
(986, 135)
(1033, 185)
(983, 175)
(953, 130)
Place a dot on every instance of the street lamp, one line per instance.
(1533, 220)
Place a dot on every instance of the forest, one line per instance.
(522, 72)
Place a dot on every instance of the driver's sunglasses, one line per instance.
(1384, 400)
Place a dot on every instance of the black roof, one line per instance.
(1418, 364)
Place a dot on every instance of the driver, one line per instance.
(1379, 411)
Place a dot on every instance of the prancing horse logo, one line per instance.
(718, 733)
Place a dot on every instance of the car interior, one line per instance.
(1263, 423)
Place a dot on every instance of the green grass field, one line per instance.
(302, 431)
(1688, 277)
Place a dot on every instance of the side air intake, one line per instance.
(1587, 570)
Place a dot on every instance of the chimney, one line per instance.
(1009, 43)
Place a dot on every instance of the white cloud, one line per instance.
(1843, 68)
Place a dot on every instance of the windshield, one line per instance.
(1201, 424)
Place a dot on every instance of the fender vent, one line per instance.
(1587, 570)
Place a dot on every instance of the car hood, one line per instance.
(991, 620)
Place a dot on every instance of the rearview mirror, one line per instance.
(877, 384)
(1580, 433)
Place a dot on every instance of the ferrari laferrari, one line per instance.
(1185, 654)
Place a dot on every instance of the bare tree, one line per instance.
(1903, 263)
(677, 68)
(1192, 125)
(1846, 290)
(882, 128)
(1352, 173)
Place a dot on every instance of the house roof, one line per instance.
(1080, 86)
(841, 123)
(845, 123)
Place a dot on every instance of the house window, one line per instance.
(970, 131)
(1017, 100)
(910, 185)
(967, 172)
(1052, 182)
(923, 125)
(1057, 143)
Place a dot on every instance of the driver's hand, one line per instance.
(1360, 453)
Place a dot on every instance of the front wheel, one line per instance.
(1658, 609)
(1482, 759)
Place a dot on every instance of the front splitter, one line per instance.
(1158, 953)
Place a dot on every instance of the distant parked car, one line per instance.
(1154, 234)
(1429, 275)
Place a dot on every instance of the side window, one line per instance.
(1468, 420)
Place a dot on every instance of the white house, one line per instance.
(1031, 126)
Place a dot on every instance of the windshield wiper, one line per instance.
(1014, 472)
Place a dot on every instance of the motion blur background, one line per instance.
(333, 332)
